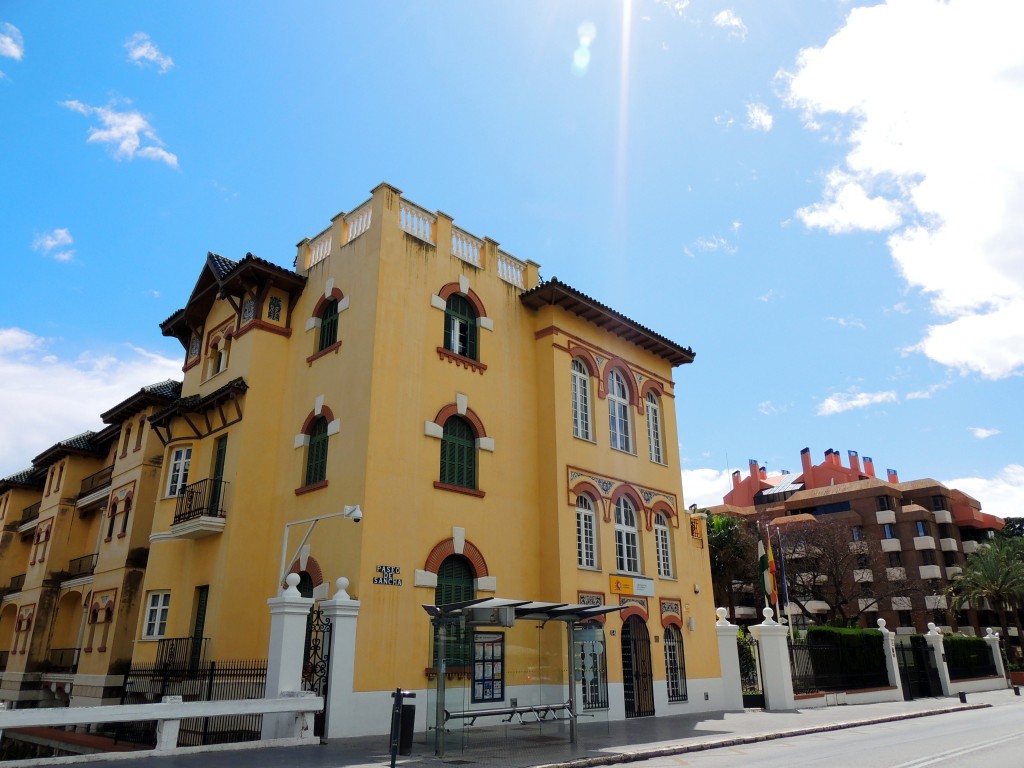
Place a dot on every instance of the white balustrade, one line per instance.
(466, 247)
(358, 222)
(511, 270)
(320, 247)
(417, 222)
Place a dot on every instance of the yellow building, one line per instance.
(72, 553)
(502, 437)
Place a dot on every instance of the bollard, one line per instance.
(401, 732)
(1016, 690)
(963, 697)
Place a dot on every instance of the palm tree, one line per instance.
(995, 573)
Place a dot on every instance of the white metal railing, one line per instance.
(466, 247)
(418, 222)
(169, 714)
(320, 247)
(511, 270)
(358, 222)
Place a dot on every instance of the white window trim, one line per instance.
(586, 522)
(620, 423)
(582, 426)
(626, 537)
(663, 545)
(654, 441)
(175, 477)
(158, 609)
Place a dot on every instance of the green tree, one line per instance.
(1014, 528)
(732, 547)
(995, 573)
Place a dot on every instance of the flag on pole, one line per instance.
(783, 587)
(766, 565)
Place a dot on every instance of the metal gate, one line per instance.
(750, 671)
(918, 671)
(316, 663)
(638, 686)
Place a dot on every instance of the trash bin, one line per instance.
(405, 732)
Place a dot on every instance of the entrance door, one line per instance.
(216, 490)
(637, 682)
(918, 670)
(199, 627)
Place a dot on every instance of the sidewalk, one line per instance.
(547, 744)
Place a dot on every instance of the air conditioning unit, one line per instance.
(504, 616)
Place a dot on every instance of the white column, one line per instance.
(288, 615)
(343, 613)
(934, 639)
(889, 648)
(729, 661)
(776, 674)
(993, 645)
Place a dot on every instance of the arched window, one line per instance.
(675, 664)
(328, 325)
(460, 326)
(618, 413)
(663, 545)
(316, 455)
(586, 539)
(455, 584)
(580, 400)
(458, 453)
(654, 427)
(627, 544)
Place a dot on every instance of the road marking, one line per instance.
(944, 756)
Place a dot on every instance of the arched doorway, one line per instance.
(637, 682)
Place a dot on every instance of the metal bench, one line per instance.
(541, 712)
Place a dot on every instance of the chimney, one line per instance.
(762, 473)
(834, 459)
(869, 466)
(854, 461)
(735, 479)
(805, 462)
(755, 473)
(892, 476)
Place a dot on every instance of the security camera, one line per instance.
(353, 513)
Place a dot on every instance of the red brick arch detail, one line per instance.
(313, 568)
(449, 289)
(584, 356)
(652, 385)
(620, 365)
(671, 620)
(446, 548)
(670, 514)
(587, 488)
(633, 610)
(470, 415)
(307, 425)
(318, 309)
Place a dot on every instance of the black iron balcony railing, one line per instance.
(82, 566)
(181, 653)
(96, 481)
(4, 656)
(30, 513)
(204, 498)
(63, 661)
(17, 582)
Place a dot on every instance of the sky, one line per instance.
(824, 200)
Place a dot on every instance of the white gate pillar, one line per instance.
(776, 673)
(993, 645)
(892, 667)
(288, 615)
(343, 613)
(729, 660)
(934, 638)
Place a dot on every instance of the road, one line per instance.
(989, 737)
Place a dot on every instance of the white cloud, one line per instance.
(982, 433)
(728, 20)
(925, 394)
(934, 155)
(585, 32)
(1002, 495)
(35, 387)
(142, 51)
(12, 44)
(125, 132)
(848, 401)
(714, 243)
(706, 487)
(847, 322)
(767, 408)
(52, 244)
(675, 6)
(724, 120)
(759, 118)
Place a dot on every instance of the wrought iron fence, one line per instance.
(96, 481)
(216, 681)
(831, 667)
(30, 513)
(204, 498)
(82, 566)
(179, 654)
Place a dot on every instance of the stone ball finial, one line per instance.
(721, 613)
(768, 613)
(989, 632)
(342, 586)
(292, 580)
(932, 630)
(881, 623)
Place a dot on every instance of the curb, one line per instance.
(734, 741)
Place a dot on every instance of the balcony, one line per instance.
(948, 545)
(953, 571)
(896, 574)
(924, 542)
(901, 604)
(62, 661)
(970, 547)
(884, 516)
(861, 575)
(4, 656)
(200, 510)
(82, 566)
(30, 514)
(94, 491)
(935, 602)
(891, 545)
(867, 603)
(943, 516)
(930, 572)
(17, 583)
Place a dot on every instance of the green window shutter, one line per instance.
(458, 453)
(316, 456)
